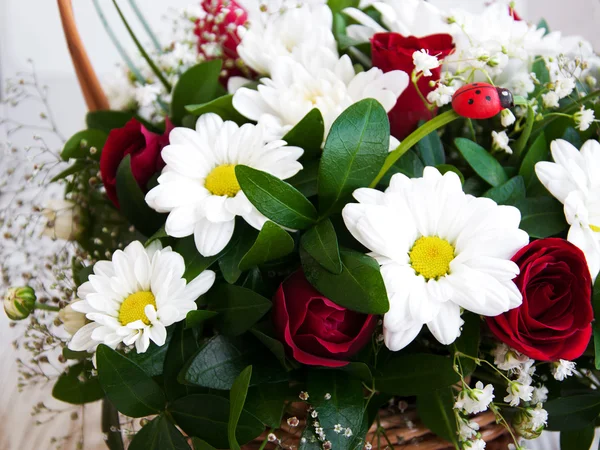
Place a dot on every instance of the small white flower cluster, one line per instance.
(563, 369)
(424, 62)
(519, 366)
(472, 401)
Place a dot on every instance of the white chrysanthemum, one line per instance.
(440, 250)
(331, 85)
(134, 297)
(574, 179)
(198, 187)
(264, 42)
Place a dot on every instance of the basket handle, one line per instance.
(88, 81)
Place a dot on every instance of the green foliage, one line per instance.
(77, 386)
(267, 402)
(308, 134)
(222, 106)
(229, 260)
(195, 263)
(354, 152)
(126, 384)
(264, 334)
(159, 434)
(320, 242)
(79, 145)
(306, 180)
(153, 359)
(337, 6)
(538, 151)
(106, 120)
(436, 411)
(468, 342)
(237, 399)
(542, 216)
(444, 168)
(359, 287)
(273, 242)
(577, 439)
(410, 164)
(111, 426)
(183, 346)
(508, 193)
(573, 413)
(484, 164)
(596, 323)
(198, 317)
(431, 150)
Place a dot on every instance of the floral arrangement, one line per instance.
(300, 213)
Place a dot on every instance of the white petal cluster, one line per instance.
(584, 118)
(424, 62)
(476, 236)
(563, 369)
(500, 141)
(574, 179)
(467, 429)
(517, 392)
(131, 299)
(476, 400)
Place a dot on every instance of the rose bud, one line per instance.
(19, 302)
(315, 330)
(143, 146)
(554, 320)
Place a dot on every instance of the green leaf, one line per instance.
(199, 444)
(443, 168)
(239, 308)
(543, 24)
(577, 439)
(194, 319)
(436, 411)
(541, 71)
(159, 434)
(344, 407)
(431, 150)
(572, 413)
(183, 346)
(306, 180)
(354, 152)
(484, 164)
(359, 370)
(320, 242)
(308, 134)
(359, 287)
(267, 402)
(242, 241)
(275, 346)
(76, 386)
(414, 374)
(509, 193)
(160, 234)
(127, 386)
(222, 106)
(207, 417)
(132, 203)
(153, 359)
(195, 263)
(107, 120)
(276, 199)
(572, 136)
(273, 242)
(198, 85)
(410, 164)
(538, 151)
(468, 342)
(337, 6)
(541, 216)
(219, 362)
(596, 323)
(79, 145)
(70, 354)
(77, 166)
(237, 399)
(111, 426)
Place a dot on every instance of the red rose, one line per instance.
(554, 321)
(143, 146)
(317, 331)
(392, 51)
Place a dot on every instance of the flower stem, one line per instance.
(46, 307)
(525, 134)
(412, 139)
(145, 24)
(264, 443)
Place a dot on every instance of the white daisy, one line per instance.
(330, 84)
(134, 297)
(440, 250)
(198, 187)
(574, 179)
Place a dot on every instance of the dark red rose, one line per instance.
(554, 321)
(143, 146)
(317, 331)
(392, 51)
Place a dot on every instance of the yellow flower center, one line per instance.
(594, 228)
(431, 256)
(132, 308)
(222, 181)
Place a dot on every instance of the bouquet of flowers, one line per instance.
(305, 224)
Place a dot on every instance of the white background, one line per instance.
(31, 29)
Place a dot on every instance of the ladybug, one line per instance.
(481, 100)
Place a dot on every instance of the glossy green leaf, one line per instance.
(273, 242)
(306, 180)
(337, 6)
(484, 164)
(414, 374)
(468, 342)
(577, 439)
(207, 417)
(132, 201)
(443, 168)
(77, 166)
(541, 71)
(572, 136)
(195, 263)
(431, 150)
(219, 362)
(359, 370)
(152, 360)
(77, 386)
(198, 85)
(276, 199)
(159, 434)
(237, 399)
(264, 334)
(354, 152)
(199, 444)
(543, 24)
(127, 386)
(320, 242)
(359, 287)
(239, 308)
(572, 413)
(242, 241)
(538, 151)
(541, 216)
(308, 134)
(508, 193)
(410, 164)
(267, 402)
(79, 145)
(194, 319)
(436, 411)
(182, 347)
(111, 426)
(222, 106)
(107, 120)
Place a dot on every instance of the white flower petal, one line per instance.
(445, 327)
(199, 286)
(211, 238)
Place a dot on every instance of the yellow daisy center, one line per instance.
(222, 181)
(132, 308)
(594, 228)
(431, 256)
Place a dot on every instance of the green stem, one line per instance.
(143, 52)
(264, 443)
(569, 109)
(524, 138)
(145, 24)
(520, 101)
(45, 307)
(413, 139)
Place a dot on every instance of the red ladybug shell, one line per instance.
(481, 100)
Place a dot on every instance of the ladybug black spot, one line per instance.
(471, 101)
(475, 84)
(488, 98)
(478, 92)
